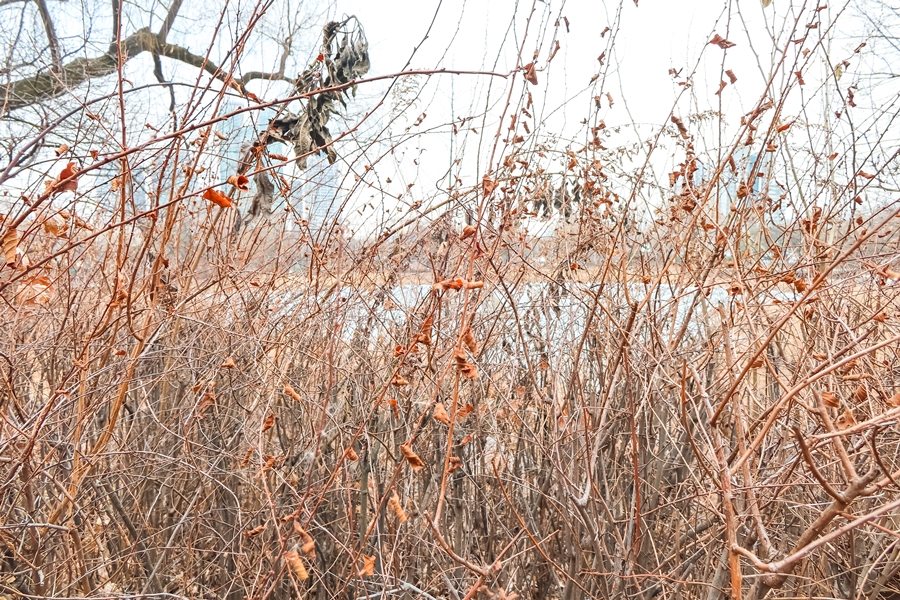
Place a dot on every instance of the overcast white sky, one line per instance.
(656, 36)
(652, 38)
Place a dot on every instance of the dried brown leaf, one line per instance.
(411, 457)
(308, 545)
(440, 414)
(397, 508)
(292, 557)
(846, 420)
(469, 341)
(68, 173)
(10, 243)
(56, 225)
(269, 422)
(830, 399)
(241, 182)
(368, 567)
(721, 42)
(217, 198)
(291, 392)
(530, 74)
(487, 185)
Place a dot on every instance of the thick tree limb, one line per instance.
(50, 31)
(47, 85)
(170, 20)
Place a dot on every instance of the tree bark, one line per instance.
(47, 85)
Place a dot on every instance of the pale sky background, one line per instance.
(652, 38)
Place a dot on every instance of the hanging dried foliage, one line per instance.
(344, 58)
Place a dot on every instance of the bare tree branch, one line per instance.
(169, 21)
(47, 85)
(50, 30)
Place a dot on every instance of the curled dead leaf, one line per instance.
(351, 454)
(268, 463)
(228, 364)
(255, 531)
(368, 567)
(397, 508)
(246, 460)
(411, 457)
(291, 392)
(241, 182)
(392, 402)
(440, 414)
(785, 127)
(308, 545)
(855, 377)
(207, 400)
(721, 42)
(424, 337)
(66, 181)
(292, 557)
(55, 225)
(487, 185)
(469, 341)
(79, 222)
(10, 244)
(217, 198)
(463, 366)
(269, 422)
(530, 74)
(38, 290)
(860, 394)
(846, 420)
(830, 399)
(680, 125)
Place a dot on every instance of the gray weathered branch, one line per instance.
(47, 85)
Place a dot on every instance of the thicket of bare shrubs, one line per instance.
(688, 390)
